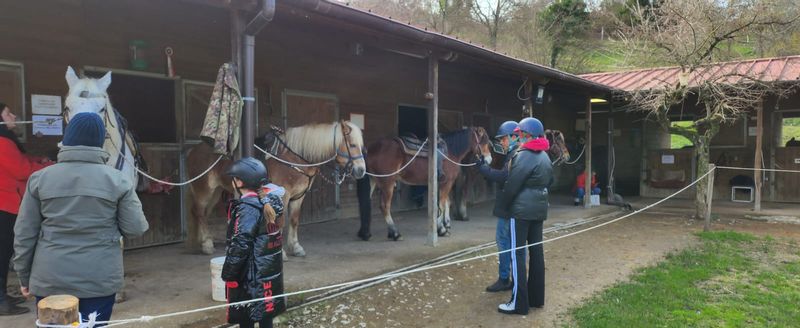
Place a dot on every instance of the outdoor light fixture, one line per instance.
(598, 101)
(540, 95)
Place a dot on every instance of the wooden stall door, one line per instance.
(11, 93)
(786, 183)
(163, 211)
(301, 108)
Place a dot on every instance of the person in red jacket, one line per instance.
(15, 168)
(580, 184)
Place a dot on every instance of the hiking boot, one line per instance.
(6, 308)
(508, 308)
(500, 285)
(15, 300)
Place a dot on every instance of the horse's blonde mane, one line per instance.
(315, 142)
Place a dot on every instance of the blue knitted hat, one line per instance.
(85, 129)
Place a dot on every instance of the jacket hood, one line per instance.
(83, 154)
(538, 144)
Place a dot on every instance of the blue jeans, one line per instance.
(503, 238)
(580, 192)
(102, 305)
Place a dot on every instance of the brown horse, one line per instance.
(303, 146)
(558, 152)
(387, 156)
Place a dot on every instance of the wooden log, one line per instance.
(587, 187)
(433, 133)
(58, 310)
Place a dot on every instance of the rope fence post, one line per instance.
(58, 310)
(709, 197)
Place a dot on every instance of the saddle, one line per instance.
(411, 144)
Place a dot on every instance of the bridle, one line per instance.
(348, 166)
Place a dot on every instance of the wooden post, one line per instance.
(709, 197)
(433, 132)
(587, 155)
(610, 160)
(529, 97)
(58, 310)
(757, 175)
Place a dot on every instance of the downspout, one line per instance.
(262, 18)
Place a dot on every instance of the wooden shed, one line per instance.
(661, 163)
(317, 60)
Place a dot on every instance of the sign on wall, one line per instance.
(667, 159)
(47, 125)
(46, 105)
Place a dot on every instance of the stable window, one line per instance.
(12, 92)
(790, 130)
(677, 140)
(146, 101)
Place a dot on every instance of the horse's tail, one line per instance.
(364, 192)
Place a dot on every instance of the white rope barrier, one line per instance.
(579, 156)
(404, 166)
(47, 121)
(179, 184)
(452, 161)
(398, 274)
(270, 155)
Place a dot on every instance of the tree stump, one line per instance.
(58, 310)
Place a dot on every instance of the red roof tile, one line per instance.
(764, 69)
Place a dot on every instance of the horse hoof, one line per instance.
(364, 236)
(461, 219)
(443, 232)
(299, 252)
(395, 236)
(208, 247)
(285, 257)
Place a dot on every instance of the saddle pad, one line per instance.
(412, 144)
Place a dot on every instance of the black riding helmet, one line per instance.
(251, 171)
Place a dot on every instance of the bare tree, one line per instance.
(448, 16)
(687, 34)
(493, 14)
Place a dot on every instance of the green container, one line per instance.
(137, 53)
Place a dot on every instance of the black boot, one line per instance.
(500, 285)
(15, 300)
(6, 308)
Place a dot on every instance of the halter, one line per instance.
(348, 166)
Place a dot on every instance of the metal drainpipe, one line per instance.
(262, 18)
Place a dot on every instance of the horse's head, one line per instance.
(483, 144)
(86, 95)
(558, 147)
(349, 149)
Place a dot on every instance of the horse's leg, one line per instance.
(364, 191)
(294, 244)
(444, 208)
(207, 208)
(460, 196)
(386, 185)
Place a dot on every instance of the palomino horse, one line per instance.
(387, 155)
(558, 152)
(302, 145)
(87, 95)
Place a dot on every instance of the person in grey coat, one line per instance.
(68, 236)
(525, 198)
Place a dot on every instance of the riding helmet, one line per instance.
(532, 126)
(250, 170)
(506, 129)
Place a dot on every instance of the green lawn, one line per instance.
(731, 280)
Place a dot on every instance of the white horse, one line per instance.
(88, 95)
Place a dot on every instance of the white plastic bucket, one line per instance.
(217, 285)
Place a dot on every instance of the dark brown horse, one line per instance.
(387, 156)
(340, 142)
(558, 152)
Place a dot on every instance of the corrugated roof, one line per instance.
(764, 69)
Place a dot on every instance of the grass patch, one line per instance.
(731, 280)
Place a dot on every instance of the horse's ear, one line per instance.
(104, 82)
(71, 77)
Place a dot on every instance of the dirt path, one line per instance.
(577, 267)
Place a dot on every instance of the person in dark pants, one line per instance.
(68, 236)
(15, 168)
(525, 197)
(502, 231)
